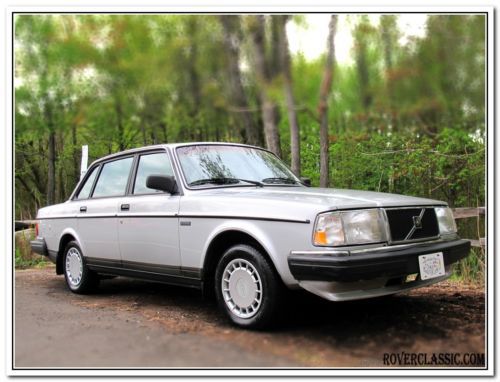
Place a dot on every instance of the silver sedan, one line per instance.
(234, 221)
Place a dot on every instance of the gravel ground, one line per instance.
(130, 323)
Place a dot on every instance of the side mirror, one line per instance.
(306, 181)
(162, 183)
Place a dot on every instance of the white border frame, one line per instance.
(196, 7)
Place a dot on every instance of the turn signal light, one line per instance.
(320, 237)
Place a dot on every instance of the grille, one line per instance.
(407, 224)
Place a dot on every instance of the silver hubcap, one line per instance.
(242, 288)
(74, 266)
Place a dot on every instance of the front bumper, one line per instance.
(386, 262)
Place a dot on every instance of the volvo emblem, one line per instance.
(417, 221)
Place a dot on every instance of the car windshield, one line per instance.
(223, 165)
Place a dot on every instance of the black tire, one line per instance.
(272, 288)
(88, 281)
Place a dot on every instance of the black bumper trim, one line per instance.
(39, 246)
(371, 265)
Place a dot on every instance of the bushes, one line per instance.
(448, 167)
(471, 269)
(24, 257)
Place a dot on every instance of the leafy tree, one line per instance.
(323, 104)
(266, 69)
(232, 37)
(285, 64)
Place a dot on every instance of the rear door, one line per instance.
(97, 220)
(147, 220)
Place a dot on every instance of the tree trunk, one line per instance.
(361, 34)
(232, 41)
(142, 126)
(163, 126)
(197, 133)
(154, 136)
(270, 128)
(284, 54)
(388, 28)
(275, 62)
(119, 124)
(76, 156)
(51, 175)
(364, 77)
(262, 71)
(36, 176)
(61, 186)
(326, 85)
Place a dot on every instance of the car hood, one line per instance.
(326, 197)
(290, 202)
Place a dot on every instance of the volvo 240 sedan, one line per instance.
(234, 220)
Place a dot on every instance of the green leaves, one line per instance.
(448, 167)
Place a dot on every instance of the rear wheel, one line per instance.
(78, 277)
(248, 289)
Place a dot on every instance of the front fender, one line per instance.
(276, 238)
(246, 227)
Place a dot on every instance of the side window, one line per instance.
(113, 178)
(151, 164)
(85, 190)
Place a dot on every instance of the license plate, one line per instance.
(431, 265)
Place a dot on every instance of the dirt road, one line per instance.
(132, 323)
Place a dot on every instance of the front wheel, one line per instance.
(248, 289)
(78, 277)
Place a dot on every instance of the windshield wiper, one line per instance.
(223, 180)
(279, 181)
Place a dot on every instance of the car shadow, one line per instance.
(392, 320)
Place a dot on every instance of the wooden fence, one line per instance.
(24, 224)
(471, 212)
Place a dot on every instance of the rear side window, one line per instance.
(113, 178)
(87, 187)
(151, 164)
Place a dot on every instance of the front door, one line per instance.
(147, 221)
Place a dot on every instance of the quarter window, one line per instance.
(151, 164)
(87, 187)
(113, 178)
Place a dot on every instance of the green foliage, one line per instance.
(23, 257)
(447, 167)
(472, 268)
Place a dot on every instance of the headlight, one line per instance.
(349, 227)
(446, 220)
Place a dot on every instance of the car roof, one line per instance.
(166, 146)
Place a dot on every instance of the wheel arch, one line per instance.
(67, 236)
(224, 239)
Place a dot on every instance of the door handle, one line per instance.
(125, 207)
(83, 209)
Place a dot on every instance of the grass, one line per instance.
(471, 269)
(23, 256)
